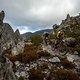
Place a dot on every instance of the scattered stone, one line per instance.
(54, 60)
(70, 58)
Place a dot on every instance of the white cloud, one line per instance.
(23, 29)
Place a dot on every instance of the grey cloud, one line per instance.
(38, 14)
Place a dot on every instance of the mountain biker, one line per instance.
(59, 37)
(46, 37)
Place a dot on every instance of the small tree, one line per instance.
(37, 39)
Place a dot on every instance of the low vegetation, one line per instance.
(54, 73)
(62, 74)
(29, 54)
(21, 78)
(35, 74)
(36, 39)
(44, 54)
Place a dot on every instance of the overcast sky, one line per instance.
(33, 15)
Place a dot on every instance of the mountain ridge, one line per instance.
(29, 34)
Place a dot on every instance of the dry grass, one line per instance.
(44, 53)
(35, 74)
(62, 74)
(29, 54)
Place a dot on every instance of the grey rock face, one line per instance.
(68, 16)
(70, 42)
(8, 39)
(70, 23)
(2, 15)
(7, 35)
(2, 59)
(19, 48)
(6, 71)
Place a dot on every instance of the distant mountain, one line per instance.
(29, 34)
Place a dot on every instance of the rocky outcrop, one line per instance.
(2, 15)
(6, 34)
(69, 23)
(17, 35)
(8, 38)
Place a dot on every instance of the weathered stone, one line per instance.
(68, 16)
(19, 48)
(74, 58)
(54, 60)
(7, 36)
(17, 63)
(18, 37)
(8, 39)
(6, 71)
(2, 15)
(70, 42)
(70, 58)
(2, 59)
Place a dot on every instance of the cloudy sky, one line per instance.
(33, 15)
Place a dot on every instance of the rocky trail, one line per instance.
(72, 57)
(51, 50)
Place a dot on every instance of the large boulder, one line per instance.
(19, 48)
(70, 42)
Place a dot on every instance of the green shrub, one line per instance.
(36, 39)
(51, 36)
(44, 53)
(21, 78)
(77, 48)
